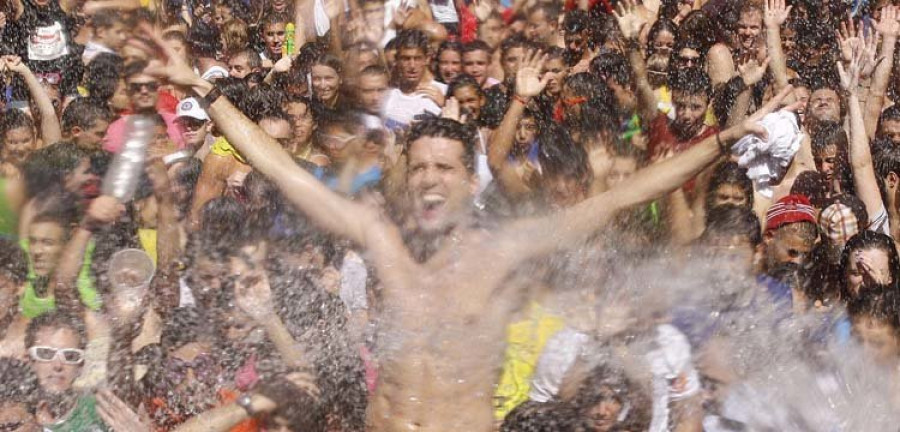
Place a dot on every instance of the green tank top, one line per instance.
(33, 306)
(9, 220)
(82, 418)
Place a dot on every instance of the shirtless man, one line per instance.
(446, 305)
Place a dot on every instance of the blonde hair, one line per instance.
(235, 36)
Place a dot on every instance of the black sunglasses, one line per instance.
(138, 87)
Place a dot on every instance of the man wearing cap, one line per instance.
(195, 127)
(791, 231)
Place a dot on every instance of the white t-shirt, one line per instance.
(555, 361)
(92, 49)
(401, 109)
(880, 222)
(48, 43)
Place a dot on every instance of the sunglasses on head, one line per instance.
(138, 87)
(70, 356)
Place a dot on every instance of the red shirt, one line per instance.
(662, 138)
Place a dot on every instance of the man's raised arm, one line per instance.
(325, 208)
(573, 225)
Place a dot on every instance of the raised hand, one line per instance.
(104, 209)
(529, 82)
(167, 64)
(401, 15)
(117, 415)
(283, 65)
(776, 13)
(630, 21)
(889, 24)
(14, 63)
(482, 9)
(753, 71)
(850, 74)
(431, 92)
(751, 124)
(848, 39)
(869, 57)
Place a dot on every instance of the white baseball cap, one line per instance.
(191, 108)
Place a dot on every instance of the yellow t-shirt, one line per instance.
(525, 341)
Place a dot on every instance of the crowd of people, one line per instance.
(434, 215)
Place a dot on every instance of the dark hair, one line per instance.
(14, 119)
(513, 42)
(203, 40)
(554, 52)
(410, 38)
(879, 306)
(559, 156)
(477, 45)
(15, 262)
(106, 18)
(300, 409)
(691, 81)
(83, 113)
(662, 25)
(222, 223)
(576, 21)
(102, 77)
(731, 220)
(18, 383)
(274, 18)
(374, 70)
(811, 184)
(450, 45)
(892, 113)
(449, 129)
(729, 173)
(263, 101)
(462, 81)
(136, 67)
(865, 240)
(605, 382)
(253, 59)
(612, 65)
(56, 320)
(186, 325)
(533, 416)
(47, 168)
(696, 27)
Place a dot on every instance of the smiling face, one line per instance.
(449, 65)
(325, 83)
(441, 187)
(749, 28)
(45, 243)
(470, 99)
(18, 143)
(475, 63)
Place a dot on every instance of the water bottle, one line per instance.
(288, 47)
(125, 171)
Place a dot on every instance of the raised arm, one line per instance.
(50, 129)
(325, 208)
(528, 85)
(573, 225)
(860, 155)
(631, 22)
(888, 27)
(776, 14)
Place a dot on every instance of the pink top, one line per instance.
(115, 135)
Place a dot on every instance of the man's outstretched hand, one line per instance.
(165, 63)
(751, 124)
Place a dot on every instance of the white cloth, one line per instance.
(401, 109)
(674, 375)
(556, 359)
(353, 282)
(215, 72)
(767, 160)
(880, 222)
(92, 49)
(444, 11)
(320, 18)
(185, 295)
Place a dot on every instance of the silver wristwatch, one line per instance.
(244, 401)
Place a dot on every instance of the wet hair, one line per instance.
(102, 77)
(554, 53)
(463, 81)
(14, 119)
(586, 85)
(477, 45)
(15, 262)
(273, 18)
(18, 383)
(449, 129)
(830, 133)
(106, 18)
(729, 173)
(330, 61)
(300, 409)
(264, 101)
(697, 27)
(83, 113)
(374, 70)
(222, 223)
(732, 220)
(412, 39)
(887, 161)
(867, 240)
(612, 65)
(533, 416)
(136, 67)
(47, 168)
(559, 156)
(662, 25)
(56, 320)
(892, 113)
(184, 326)
(513, 42)
(691, 81)
(204, 41)
(576, 21)
(880, 306)
(811, 184)
(605, 382)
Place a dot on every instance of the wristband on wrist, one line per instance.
(210, 97)
(520, 99)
